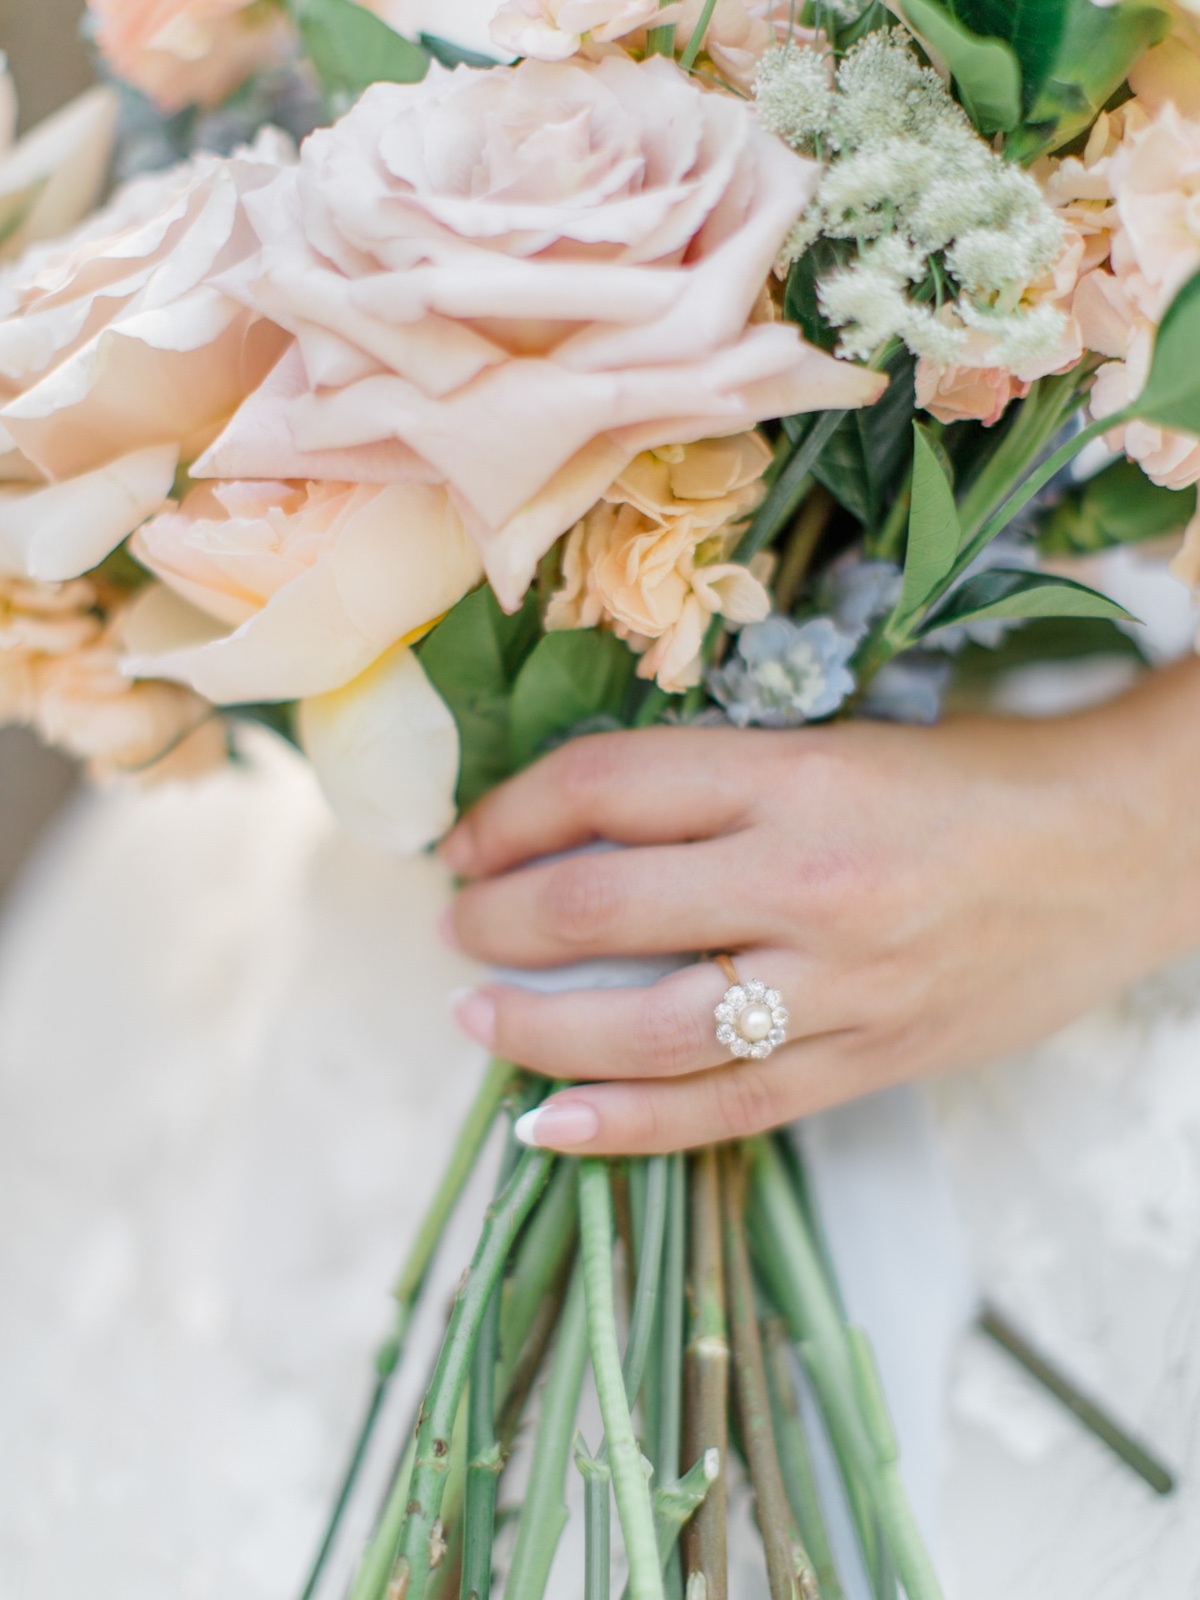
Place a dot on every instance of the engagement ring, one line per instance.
(751, 1019)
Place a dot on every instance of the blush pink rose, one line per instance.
(514, 282)
(307, 584)
(119, 359)
(189, 52)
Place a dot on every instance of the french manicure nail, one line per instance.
(558, 1126)
(475, 1013)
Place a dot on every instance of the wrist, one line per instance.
(1139, 760)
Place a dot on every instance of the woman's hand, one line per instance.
(923, 899)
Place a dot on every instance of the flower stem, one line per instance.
(649, 1274)
(838, 1362)
(629, 1480)
(597, 1504)
(668, 1369)
(707, 1379)
(370, 1580)
(1021, 496)
(790, 485)
(815, 513)
(790, 1573)
(688, 59)
(795, 1461)
(484, 1459)
(418, 1542)
(544, 1511)
(1092, 1416)
(497, 1083)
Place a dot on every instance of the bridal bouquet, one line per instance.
(723, 360)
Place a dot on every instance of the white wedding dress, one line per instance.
(228, 1079)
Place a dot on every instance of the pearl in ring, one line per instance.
(751, 1020)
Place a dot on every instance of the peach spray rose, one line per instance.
(189, 52)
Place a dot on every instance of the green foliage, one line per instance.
(473, 658)
(934, 533)
(453, 55)
(800, 303)
(868, 452)
(350, 49)
(570, 679)
(977, 666)
(1035, 30)
(1172, 393)
(986, 71)
(279, 717)
(1118, 506)
(1098, 48)
(1002, 593)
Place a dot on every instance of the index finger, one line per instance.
(642, 787)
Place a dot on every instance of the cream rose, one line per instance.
(650, 561)
(515, 281)
(51, 179)
(118, 359)
(552, 30)
(309, 584)
(189, 52)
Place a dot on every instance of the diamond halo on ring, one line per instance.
(751, 1020)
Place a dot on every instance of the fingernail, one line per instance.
(558, 1126)
(475, 1013)
(446, 930)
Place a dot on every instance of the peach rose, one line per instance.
(650, 560)
(118, 358)
(51, 179)
(515, 281)
(308, 584)
(981, 387)
(1170, 73)
(1154, 178)
(60, 651)
(189, 52)
(740, 32)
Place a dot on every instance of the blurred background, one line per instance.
(50, 64)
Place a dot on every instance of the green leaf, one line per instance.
(350, 48)
(866, 455)
(977, 666)
(1098, 48)
(473, 658)
(986, 71)
(1118, 506)
(570, 679)
(934, 532)
(800, 303)
(1172, 393)
(1034, 28)
(1004, 593)
(453, 55)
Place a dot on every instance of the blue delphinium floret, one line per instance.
(785, 673)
